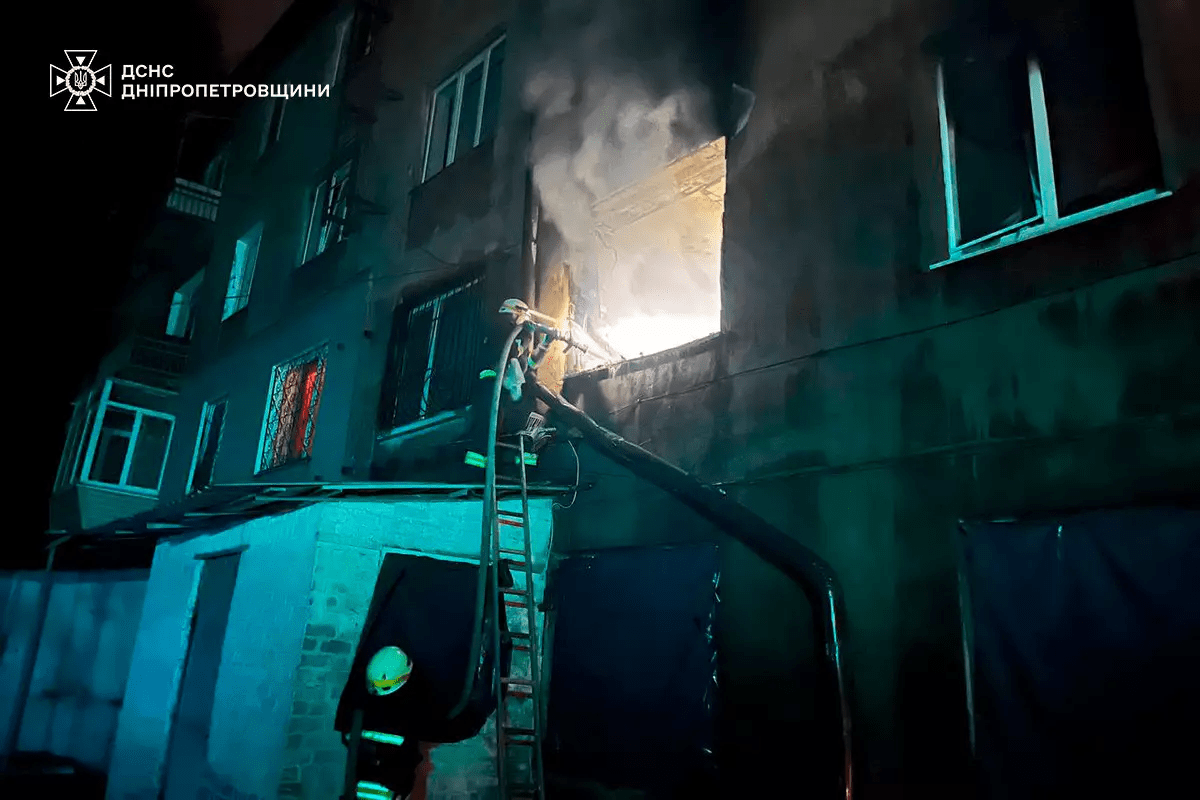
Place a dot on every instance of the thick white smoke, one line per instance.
(614, 99)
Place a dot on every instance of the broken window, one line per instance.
(274, 126)
(433, 355)
(292, 409)
(651, 280)
(465, 109)
(1044, 121)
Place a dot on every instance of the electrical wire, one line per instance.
(575, 488)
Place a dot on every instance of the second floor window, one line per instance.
(241, 272)
(433, 355)
(1044, 124)
(327, 214)
(466, 107)
(291, 415)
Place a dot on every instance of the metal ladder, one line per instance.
(518, 694)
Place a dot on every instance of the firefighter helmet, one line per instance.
(387, 671)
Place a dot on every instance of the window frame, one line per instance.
(93, 436)
(322, 214)
(279, 373)
(273, 126)
(183, 307)
(202, 437)
(1046, 192)
(237, 288)
(458, 78)
(433, 301)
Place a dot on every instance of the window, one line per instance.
(433, 355)
(241, 274)
(465, 109)
(182, 319)
(127, 446)
(327, 214)
(337, 57)
(212, 425)
(1044, 125)
(274, 124)
(214, 174)
(292, 405)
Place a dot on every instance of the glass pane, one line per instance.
(149, 452)
(112, 445)
(208, 448)
(468, 119)
(1101, 127)
(84, 442)
(987, 99)
(491, 98)
(439, 136)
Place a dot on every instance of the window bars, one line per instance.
(292, 409)
(433, 359)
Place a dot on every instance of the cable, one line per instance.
(575, 489)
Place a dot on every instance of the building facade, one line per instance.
(871, 273)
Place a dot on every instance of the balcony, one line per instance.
(155, 361)
(194, 199)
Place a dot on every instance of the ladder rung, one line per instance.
(517, 682)
(514, 591)
(517, 635)
(512, 523)
(515, 604)
(510, 552)
(504, 512)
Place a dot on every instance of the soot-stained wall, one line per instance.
(864, 402)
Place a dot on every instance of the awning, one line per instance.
(227, 505)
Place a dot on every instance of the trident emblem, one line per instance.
(80, 80)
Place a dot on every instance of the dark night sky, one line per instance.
(105, 173)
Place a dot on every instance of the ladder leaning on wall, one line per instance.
(519, 753)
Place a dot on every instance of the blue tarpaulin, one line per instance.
(1086, 651)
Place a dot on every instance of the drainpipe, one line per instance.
(529, 251)
(26, 678)
(813, 574)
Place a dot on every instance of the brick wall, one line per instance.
(352, 541)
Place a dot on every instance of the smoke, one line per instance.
(617, 92)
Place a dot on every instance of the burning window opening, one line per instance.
(651, 281)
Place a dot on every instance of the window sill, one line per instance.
(118, 488)
(1041, 229)
(292, 462)
(412, 429)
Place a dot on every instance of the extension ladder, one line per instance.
(518, 694)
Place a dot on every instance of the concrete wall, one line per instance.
(83, 658)
(864, 403)
(304, 585)
(352, 542)
(260, 654)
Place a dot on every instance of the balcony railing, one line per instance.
(194, 199)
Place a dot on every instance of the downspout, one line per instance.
(814, 575)
(529, 251)
(31, 652)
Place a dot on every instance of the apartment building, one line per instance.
(885, 276)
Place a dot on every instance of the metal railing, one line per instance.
(194, 199)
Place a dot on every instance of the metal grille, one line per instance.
(434, 355)
(292, 413)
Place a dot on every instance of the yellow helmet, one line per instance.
(387, 671)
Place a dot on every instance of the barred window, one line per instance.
(292, 409)
(433, 354)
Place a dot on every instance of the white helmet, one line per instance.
(387, 671)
